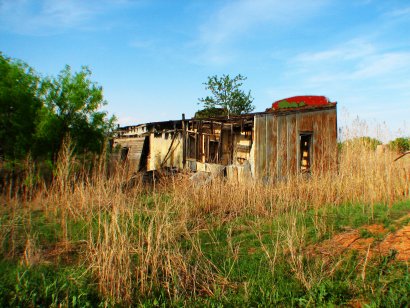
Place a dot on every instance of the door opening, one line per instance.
(124, 153)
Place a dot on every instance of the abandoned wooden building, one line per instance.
(297, 134)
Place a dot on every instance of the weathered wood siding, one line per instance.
(277, 142)
(135, 146)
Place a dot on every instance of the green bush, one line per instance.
(400, 144)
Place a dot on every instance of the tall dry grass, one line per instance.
(142, 241)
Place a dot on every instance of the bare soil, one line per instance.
(371, 240)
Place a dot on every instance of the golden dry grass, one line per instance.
(144, 240)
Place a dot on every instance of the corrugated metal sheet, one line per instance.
(277, 138)
(292, 147)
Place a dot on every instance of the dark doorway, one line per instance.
(213, 151)
(191, 147)
(144, 155)
(305, 152)
(124, 154)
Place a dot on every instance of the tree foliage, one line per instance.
(226, 93)
(400, 144)
(72, 105)
(211, 112)
(36, 114)
(19, 107)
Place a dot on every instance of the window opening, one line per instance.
(305, 152)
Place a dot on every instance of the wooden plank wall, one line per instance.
(270, 153)
(135, 146)
(292, 144)
(276, 142)
(259, 144)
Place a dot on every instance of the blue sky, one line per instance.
(151, 57)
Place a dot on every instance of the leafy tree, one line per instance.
(19, 107)
(400, 144)
(226, 94)
(72, 107)
(210, 113)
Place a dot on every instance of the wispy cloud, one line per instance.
(353, 61)
(351, 50)
(45, 17)
(405, 11)
(125, 120)
(237, 17)
(230, 22)
(393, 64)
(364, 76)
(28, 17)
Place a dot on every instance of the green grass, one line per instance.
(238, 250)
(255, 284)
(46, 285)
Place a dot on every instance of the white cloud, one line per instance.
(124, 120)
(28, 17)
(45, 17)
(405, 11)
(383, 64)
(235, 19)
(351, 50)
(354, 61)
(361, 75)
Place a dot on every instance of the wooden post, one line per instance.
(232, 145)
(195, 126)
(201, 142)
(184, 150)
(207, 148)
(220, 148)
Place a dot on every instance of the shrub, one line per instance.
(400, 144)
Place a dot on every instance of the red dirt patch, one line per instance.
(398, 241)
(375, 229)
(352, 240)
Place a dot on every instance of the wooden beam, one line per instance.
(184, 141)
(231, 145)
(219, 152)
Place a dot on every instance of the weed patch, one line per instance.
(334, 238)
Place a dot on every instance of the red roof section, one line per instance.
(308, 100)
